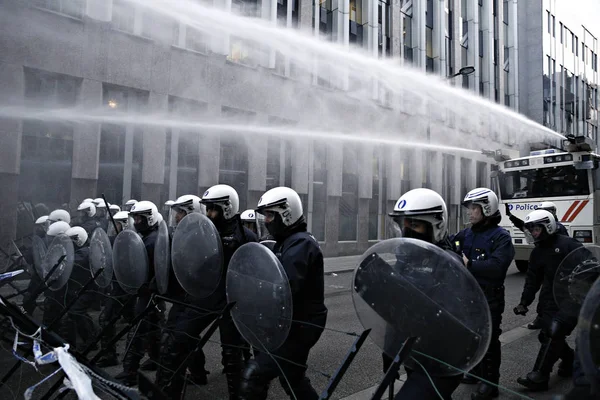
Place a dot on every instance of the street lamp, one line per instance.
(464, 71)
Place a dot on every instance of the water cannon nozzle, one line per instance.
(496, 155)
(574, 143)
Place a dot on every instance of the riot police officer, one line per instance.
(487, 252)
(87, 217)
(550, 250)
(302, 259)
(222, 207)
(146, 218)
(422, 214)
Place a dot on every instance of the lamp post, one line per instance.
(464, 71)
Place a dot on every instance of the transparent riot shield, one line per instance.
(574, 277)
(162, 258)
(406, 288)
(197, 256)
(270, 244)
(61, 246)
(130, 261)
(101, 256)
(259, 286)
(588, 335)
(38, 249)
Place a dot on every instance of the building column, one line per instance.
(473, 47)
(153, 168)
(210, 153)
(86, 147)
(335, 164)
(257, 168)
(487, 25)
(440, 23)
(396, 29)
(513, 54)
(305, 9)
(419, 37)
(365, 193)
(12, 83)
(433, 163)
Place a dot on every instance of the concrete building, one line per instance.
(113, 56)
(559, 86)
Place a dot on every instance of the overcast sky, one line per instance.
(587, 11)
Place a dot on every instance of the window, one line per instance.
(47, 147)
(73, 8)
(375, 200)
(189, 38)
(480, 174)
(123, 16)
(553, 27)
(273, 162)
(407, 38)
(561, 32)
(429, 14)
(505, 12)
(544, 182)
(349, 201)
(549, 22)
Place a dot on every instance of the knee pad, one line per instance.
(253, 385)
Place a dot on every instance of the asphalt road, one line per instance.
(326, 356)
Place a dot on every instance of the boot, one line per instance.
(484, 392)
(234, 363)
(469, 380)
(565, 367)
(131, 361)
(536, 324)
(536, 381)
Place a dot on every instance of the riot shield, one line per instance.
(259, 286)
(162, 258)
(101, 256)
(197, 256)
(588, 337)
(406, 288)
(130, 261)
(38, 250)
(61, 246)
(574, 277)
(270, 244)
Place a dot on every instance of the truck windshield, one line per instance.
(544, 182)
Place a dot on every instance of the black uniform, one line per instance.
(89, 224)
(543, 263)
(147, 336)
(302, 260)
(185, 325)
(490, 252)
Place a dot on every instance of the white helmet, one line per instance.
(283, 201)
(188, 204)
(114, 208)
(539, 217)
(78, 235)
(88, 199)
(249, 216)
(129, 204)
(41, 220)
(122, 220)
(548, 206)
(98, 200)
(59, 215)
(423, 205)
(169, 203)
(148, 210)
(225, 197)
(483, 197)
(88, 208)
(57, 228)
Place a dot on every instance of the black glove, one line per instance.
(507, 207)
(521, 309)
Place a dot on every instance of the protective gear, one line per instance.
(121, 220)
(98, 200)
(149, 213)
(87, 209)
(483, 197)
(225, 197)
(41, 226)
(284, 202)
(542, 218)
(78, 235)
(187, 204)
(114, 209)
(248, 216)
(249, 220)
(88, 199)
(129, 204)
(521, 310)
(59, 215)
(57, 228)
(41, 220)
(423, 205)
(548, 206)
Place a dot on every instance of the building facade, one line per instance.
(114, 56)
(560, 55)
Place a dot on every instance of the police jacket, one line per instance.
(543, 263)
(149, 239)
(302, 260)
(520, 225)
(489, 249)
(89, 224)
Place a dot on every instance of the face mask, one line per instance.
(142, 226)
(276, 227)
(412, 234)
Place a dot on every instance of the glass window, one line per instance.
(429, 14)
(544, 182)
(505, 12)
(549, 21)
(123, 16)
(561, 32)
(73, 8)
(553, 27)
(273, 162)
(480, 174)
(349, 200)
(376, 198)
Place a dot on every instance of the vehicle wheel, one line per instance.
(522, 265)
